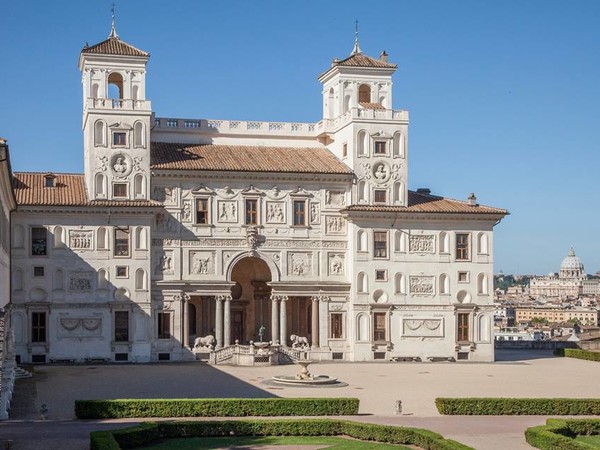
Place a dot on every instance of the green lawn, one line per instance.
(591, 440)
(331, 442)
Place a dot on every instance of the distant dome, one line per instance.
(571, 266)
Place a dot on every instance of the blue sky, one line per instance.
(504, 95)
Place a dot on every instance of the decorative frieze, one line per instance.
(422, 327)
(421, 243)
(268, 243)
(80, 327)
(335, 225)
(422, 285)
(81, 240)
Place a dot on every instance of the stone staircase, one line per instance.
(21, 373)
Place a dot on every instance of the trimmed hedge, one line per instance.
(518, 406)
(560, 434)
(582, 354)
(215, 407)
(144, 434)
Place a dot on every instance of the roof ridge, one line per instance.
(46, 173)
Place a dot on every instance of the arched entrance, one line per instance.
(250, 305)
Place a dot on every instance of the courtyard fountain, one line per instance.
(305, 378)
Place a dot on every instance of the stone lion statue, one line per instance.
(205, 342)
(299, 342)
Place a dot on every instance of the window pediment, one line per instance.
(300, 192)
(120, 126)
(381, 135)
(202, 190)
(252, 191)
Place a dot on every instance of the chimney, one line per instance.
(472, 200)
(383, 56)
(424, 191)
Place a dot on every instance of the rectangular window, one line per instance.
(299, 212)
(380, 244)
(251, 211)
(39, 241)
(164, 325)
(38, 327)
(119, 139)
(380, 148)
(344, 150)
(463, 277)
(122, 272)
(379, 327)
(462, 328)
(380, 196)
(122, 241)
(463, 252)
(336, 328)
(121, 326)
(120, 190)
(202, 211)
(38, 271)
(381, 275)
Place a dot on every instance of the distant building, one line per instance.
(558, 315)
(569, 282)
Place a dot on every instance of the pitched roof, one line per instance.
(427, 203)
(367, 105)
(68, 190)
(362, 60)
(114, 46)
(240, 158)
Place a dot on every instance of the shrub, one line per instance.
(145, 433)
(215, 407)
(582, 354)
(518, 406)
(560, 434)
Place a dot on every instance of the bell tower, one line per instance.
(116, 120)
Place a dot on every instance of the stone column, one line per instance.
(315, 322)
(274, 318)
(283, 321)
(219, 321)
(227, 321)
(186, 319)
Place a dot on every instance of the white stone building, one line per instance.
(181, 228)
(568, 283)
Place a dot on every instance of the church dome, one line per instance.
(571, 266)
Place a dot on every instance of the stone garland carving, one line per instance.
(88, 324)
(81, 240)
(336, 264)
(227, 211)
(275, 212)
(80, 281)
(421, 285)
(335, 225)
(422, 327)
(300, 264)
(421, 243)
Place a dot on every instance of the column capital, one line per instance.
(279, 297)
(320, 298)
(182, 297)
(223, 298)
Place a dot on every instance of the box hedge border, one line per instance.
(560, 434)
(519, 406)
(146, 433)
(215, 407)
(582, 354)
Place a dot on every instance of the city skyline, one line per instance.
(503, 96)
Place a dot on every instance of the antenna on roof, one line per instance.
(356, 48)
(113, 30)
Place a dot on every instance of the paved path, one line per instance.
(377, 385)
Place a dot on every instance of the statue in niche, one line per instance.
(186, 212)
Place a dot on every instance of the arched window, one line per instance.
(59, 239)
(18, 237)
(103, 279)
(361, 241)
(383, 101)
(482, 288)
(330, 105)
(362, 283)
(483, 328)
(444, 284)
(362, 326)
(100, 185)
(364, 94)
(362, 147)
(140, 279)
(139, 185)
(400, 241)
(482, 244)
(141, 239)
(362, 191)
(59, 280)
(346, 104)
(100, 133)
(115, 86)
(102, 239)
(400, 283)
(444, 242)
(399, 145)
(95, 90)
(135, 92)
(139, 135)
(398, 193)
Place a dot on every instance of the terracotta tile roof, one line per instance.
(362, 60)
(244, 158)
(427, 203)
(114, 46)
(68, 190)
(371, 105)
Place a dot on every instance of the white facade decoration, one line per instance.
(298, 228)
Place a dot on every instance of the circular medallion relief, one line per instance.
(120, 163)
(381, 172)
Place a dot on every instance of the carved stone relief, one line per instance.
(299, 264)
(335, 198)
(186, 211)
(80, 326)
(80, 281)
(381, 172)
(227, 211)
(275, 212)
(164, 264)
(422, 327)
(137, 163)
(81, 240)
(335, 225)
(243, 242)
(121, 165)
(315, 213)
(421, 243)
(164, 194)
(103, 164)
(202, 263)
(336, 263)
(421, 285)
